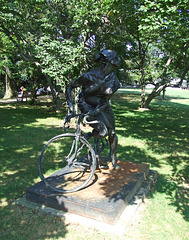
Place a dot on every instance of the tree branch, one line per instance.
(17, 44)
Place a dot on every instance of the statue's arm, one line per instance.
(73, 84)
(100, 107)
(94, 87)
(93, 82)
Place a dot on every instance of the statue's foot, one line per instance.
(103, 163)
(103, 166)
(116, 167)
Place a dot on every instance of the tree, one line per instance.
(35, 30)
(50, 34)
(152, 33)
(8, 67)
(170, 19)
(60, 36)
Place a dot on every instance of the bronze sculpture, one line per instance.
(98, 85)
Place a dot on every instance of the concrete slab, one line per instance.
(104, 200)
(119, 228)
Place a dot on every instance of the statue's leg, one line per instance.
(113, 140)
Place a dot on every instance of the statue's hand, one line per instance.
(68, 118)
(92, 113)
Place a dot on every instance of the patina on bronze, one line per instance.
(98, 85)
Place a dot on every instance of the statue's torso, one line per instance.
(103, 92)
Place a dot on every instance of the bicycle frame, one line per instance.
(97, 148)
(75, 142)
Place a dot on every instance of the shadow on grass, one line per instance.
(176, 192)
(163, 130)
(135, 154)
(21, 139)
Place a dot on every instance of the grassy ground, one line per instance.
(158, 137)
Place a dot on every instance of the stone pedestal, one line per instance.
(104, 199)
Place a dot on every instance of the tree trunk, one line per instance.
(163, 97)
(9, 92)
(159, 87)
(143, 96)
(76, 98)
(155, 92)
(33, 91)
(55, 94)
(183, 75)
(149, 99)
(58, 100)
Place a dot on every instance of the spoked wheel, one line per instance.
(67, 164)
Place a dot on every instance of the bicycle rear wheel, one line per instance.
(66, 164)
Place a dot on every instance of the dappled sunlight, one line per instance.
(131, 141)
(176, 193)
(180, 101)
(137, 154)
(48, 122)
(4, 202)
(21, 141)
(9, 172)
(23, 150)
(179, 163)
(161, 134)
(36, 180)
(158, 137)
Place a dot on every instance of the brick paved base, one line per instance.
(104, 200)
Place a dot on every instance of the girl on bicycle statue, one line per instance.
(98, 85)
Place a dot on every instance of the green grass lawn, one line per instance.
(158, 137)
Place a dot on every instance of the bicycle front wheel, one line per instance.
(67, 163)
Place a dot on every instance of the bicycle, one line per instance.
(75, 160)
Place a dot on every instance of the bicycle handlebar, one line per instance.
(80, 115)
(89, 122)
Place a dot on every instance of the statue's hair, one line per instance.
(110, 56)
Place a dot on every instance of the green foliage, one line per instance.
(60, 36)
(59, 58)
(168, 22)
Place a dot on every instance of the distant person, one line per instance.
(21, 94)
(48, 90)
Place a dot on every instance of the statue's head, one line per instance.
(109, 56)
